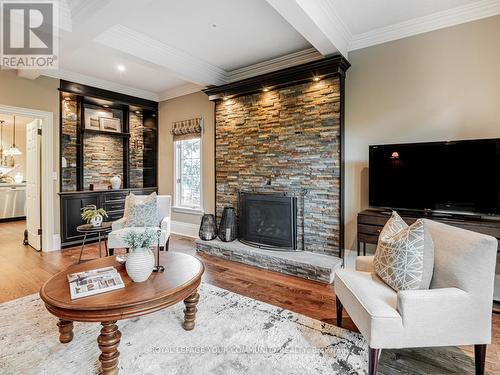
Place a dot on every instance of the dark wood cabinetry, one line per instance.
(371, 222)
(113, 201)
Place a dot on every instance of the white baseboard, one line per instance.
(185, 229)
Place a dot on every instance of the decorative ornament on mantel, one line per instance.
(116, 182)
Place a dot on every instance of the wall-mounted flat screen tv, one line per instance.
(455, 176)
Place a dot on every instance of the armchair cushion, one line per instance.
(405, 255)
(142, 213)
(365, 264)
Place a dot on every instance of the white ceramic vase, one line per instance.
(139, 265)
(116, 182)
(96, 221)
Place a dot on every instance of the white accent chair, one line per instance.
(456, 310)
(118, 229)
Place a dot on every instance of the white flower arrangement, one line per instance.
(136, 239)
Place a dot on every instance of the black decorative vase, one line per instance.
(208, 227)
(228, 227)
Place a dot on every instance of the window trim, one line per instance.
(177, 207)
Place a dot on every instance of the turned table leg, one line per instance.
(65, 331)
(108, 341)
(190, 311)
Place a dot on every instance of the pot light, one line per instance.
(395, 155)
(121, 68)
(105, 105)
(225, 98)
(265, 89)
(316, 79)
(138, 112)
(67, 98)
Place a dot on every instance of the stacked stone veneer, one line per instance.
(285, 140)
(136, 150)
(69, 144)
(102, 158)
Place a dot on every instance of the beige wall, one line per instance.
(435, 86)
(183, 108)
(42, 94)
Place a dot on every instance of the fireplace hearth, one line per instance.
(268, 221)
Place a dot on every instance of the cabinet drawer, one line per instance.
(114, 215)
(369, 229)
(368, 238)
(118, 196)
(373, 220)
(114, 205)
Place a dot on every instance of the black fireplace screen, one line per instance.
(268, 220)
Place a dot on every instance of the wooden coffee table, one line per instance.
(179, 282)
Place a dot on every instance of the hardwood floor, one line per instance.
(23, 271)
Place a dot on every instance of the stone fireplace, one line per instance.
(283, 141)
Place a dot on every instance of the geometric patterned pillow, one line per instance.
(404, 258)
(142, 212)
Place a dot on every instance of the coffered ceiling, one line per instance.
(159, 49)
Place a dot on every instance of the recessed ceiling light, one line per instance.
(67, 98)
(105, 105)
(316, 79)
(121, 68)
(138, 112)
(265, 89)
(225, 98)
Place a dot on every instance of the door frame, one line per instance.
(50, 239)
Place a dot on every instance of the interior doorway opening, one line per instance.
(20, 176)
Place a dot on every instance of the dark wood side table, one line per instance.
(101, 231)
(178, 283)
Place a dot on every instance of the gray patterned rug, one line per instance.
(233, 335)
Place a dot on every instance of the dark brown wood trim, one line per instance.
(479, 358)
(327, 67)
(84, 90)
(373, 355)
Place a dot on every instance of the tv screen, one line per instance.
(457, 176)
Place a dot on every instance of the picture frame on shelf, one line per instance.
(92, 117)
(110, 124)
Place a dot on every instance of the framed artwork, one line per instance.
(92, 117)
(110, 124)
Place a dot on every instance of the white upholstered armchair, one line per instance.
(115, 238)
(456, 310)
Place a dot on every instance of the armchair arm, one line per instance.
(433, 305)
(165, 224)
(118, 224)
(365, 264)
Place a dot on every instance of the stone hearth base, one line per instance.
(303, 264)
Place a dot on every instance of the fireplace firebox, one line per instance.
(268, 221)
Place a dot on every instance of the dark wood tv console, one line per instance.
(371, 222)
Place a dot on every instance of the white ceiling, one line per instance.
(172, 47)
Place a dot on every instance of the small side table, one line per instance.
(101, 231)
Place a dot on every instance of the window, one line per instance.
(188, 174)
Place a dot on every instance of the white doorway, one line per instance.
(41, 178)
(33, 184)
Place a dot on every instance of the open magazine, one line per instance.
(88, 283)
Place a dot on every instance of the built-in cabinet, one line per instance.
(103, 134)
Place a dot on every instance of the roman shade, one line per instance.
(187, 129)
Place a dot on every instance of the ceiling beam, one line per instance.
(318, 22)
(185, 65)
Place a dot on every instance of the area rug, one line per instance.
(233, 335)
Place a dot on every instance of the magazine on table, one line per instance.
(88, 283)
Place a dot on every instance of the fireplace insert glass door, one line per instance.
(268, 221)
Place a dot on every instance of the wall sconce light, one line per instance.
(395, 155)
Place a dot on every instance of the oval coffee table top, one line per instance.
(88, 228)
(180, 279)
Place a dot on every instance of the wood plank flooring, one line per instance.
(23, 271)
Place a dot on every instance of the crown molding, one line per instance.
(326, 67)
(282, 62)
(435, 21)
(100, 83)
(175, 92)
(186, 66)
